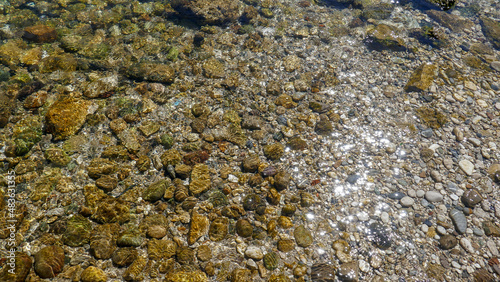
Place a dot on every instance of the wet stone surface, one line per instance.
(250, 140)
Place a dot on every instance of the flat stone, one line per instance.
(466, 166)
(40, 33)
(422, 78)
(254, 252)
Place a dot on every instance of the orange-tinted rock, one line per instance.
(40, 33)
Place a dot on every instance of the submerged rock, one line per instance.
(385, 37)
(422, 78)
(93, 274)
(16, 269)
(49, 261)
(77, 231)
(213, 12)
(491, 30)
(65, 117)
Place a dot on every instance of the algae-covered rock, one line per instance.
(40, 33)
(45, 184)
(161, 249)
(77, 231)
(186, 274)
(324, 125)
(26, 133)
(198, 227)
(432, 117)
(200, 179)
(16, 267)
(65, 117)
(156, 190)
(49, 261)
(104, 208)
(99, 167)
(383, 37)
(454, 22)
(57, 156)
(274, 151)
(303, 236)
(214, 12)
(170, 157)
(213, 68)
(151, 72)
(422, 78)
(93, 274)
(135, 272)
(491, 30)
(103, 240)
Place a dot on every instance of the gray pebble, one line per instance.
(396, 195)
(427, 133)
(407, 201)
(474, 141)
(433, 196)
(452, 187)
(459, 220)
(477, 231)
(441, 230)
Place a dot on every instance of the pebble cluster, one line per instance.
(252, 140)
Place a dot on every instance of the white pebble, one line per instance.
(441, 230)
(412, 193)
(465, 243)
(384, 216)
(363, 216)
(254, 252)
(420, 193)
(363, 266)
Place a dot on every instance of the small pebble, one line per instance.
(433, 196)
(420, 193)
(407, 201)
(466, 166)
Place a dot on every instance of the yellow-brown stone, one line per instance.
(65, 117)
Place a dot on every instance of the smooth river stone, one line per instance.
(433, 196)
(407, 201)
(466, 166)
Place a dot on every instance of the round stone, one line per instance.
(303, 236)
(244, 228)
(251, 202)
(407, 201)
(448, 242)
(93, 274)
(471, 198)
(271, 260)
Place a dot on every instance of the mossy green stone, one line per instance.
(26, 133)
(271, 260)
(303, 236)
(167, 140)
(274, 151)
(57, 156)
(77, 231)
(156, 190)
